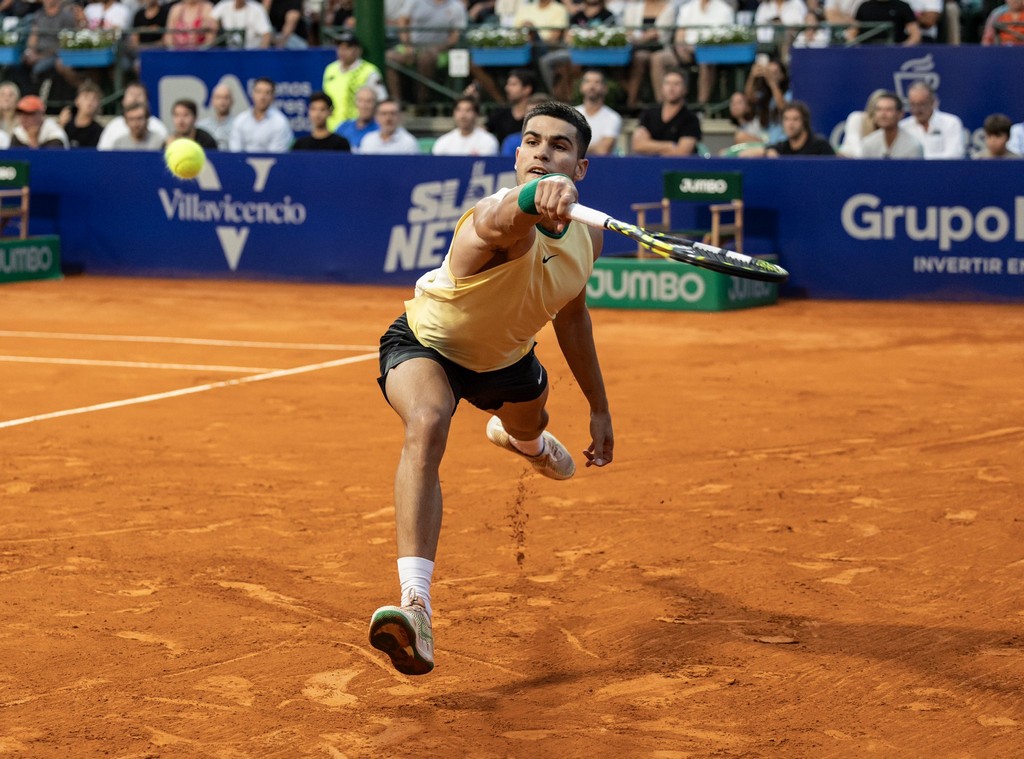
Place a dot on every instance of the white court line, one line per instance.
(190, 390)
(184, 341)
(132, 364)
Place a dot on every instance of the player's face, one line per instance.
(183, 120)
(318, 114)
(549, 147)
(792, 124)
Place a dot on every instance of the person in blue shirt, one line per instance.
(354, 130)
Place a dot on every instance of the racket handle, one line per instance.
(588, 216)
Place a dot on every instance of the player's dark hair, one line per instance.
(559, 110)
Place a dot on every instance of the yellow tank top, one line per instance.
(490, 320)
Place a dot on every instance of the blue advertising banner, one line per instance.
(947, 230)
(970, 81)
(170, 75)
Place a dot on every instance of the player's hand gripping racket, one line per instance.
(686, 251)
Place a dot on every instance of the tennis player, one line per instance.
(515, 263)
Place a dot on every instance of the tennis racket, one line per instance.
(685, 251)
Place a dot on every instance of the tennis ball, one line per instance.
(185, 158)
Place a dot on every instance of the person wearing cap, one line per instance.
(35, 129)
(344, 77)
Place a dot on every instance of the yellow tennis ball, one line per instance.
(185, 158)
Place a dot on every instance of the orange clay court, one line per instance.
(811, 542)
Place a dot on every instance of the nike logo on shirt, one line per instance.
(548, 258)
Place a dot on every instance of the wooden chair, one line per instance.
(699, 187)
(14, 186)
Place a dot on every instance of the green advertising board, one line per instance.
(654, 283)
(703, 185)
(32, 258)
(13, 174)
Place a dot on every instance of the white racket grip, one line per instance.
(588, 216)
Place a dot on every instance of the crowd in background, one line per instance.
(361, 108)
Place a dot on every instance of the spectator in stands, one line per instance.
(481, 11)
(556, 67)
(800, 138)
(320, 137)
(890, 140)
(467, 138)
(286, 16)
(134, 92)
(1016, 143)
(519, 86)
(858, 125)
(218, 122)
(928, 13)
(107, 14)
(841, 12)
(355, 129)
(997, 136)
(1005, 25)
(245, 23)
(771, 14)
(428, 29)
(262, 128)
(941, 134)
(148, 27)
(545, 20)
(512, 141)
(650, 24)
(691, 22)
(10, 94)
(35, 129)
(183, 115)
(669, 129)
(40, 55)
(391, 138)
(190, 25)
(767, 88)
(749, 128)
(605, 123)
(79, 120)
(906, 31)
(344, 77)
(139, 137)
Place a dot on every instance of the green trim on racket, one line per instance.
(685, 251)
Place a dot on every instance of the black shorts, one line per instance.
(524, 381)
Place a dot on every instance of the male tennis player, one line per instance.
(515, 263)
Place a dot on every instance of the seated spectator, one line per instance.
(183, 114)
(35, 129)
(391, 138)
(107, 14)
(669, 129)
(906, 31)
(244, 22)
(10, 94)
(928, 13)
(859, 124)
(767, 89)
(190, 25)
(1016, 143)
(941, 134)
(134, 92)
(321, 138)
(841, 12)
(79, 120)
(519, 88)
(605, 123)
(1005, 27)
(800, 138)
(427, 29)
(139, 137)
(355, 129)
(512, 141)
(262, 128)
(344, 77)
(650, 23)
(466, 138)
(218, 123)
(556, 67)
(748, 126)
(691, 21)
(286, 18)
(148, 27)
(40, 54)
(890, 140)
(771, 14)
(997, 136)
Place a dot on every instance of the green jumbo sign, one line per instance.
(660, 284)
(32, 258)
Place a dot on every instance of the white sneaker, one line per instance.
(404, 634)
(554, 461)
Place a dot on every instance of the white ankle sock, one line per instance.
(416, 574)
(533, 447)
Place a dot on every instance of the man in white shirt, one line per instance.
(889, 140)
(466, 138)
(248, 20)
(392, 138)
(941, 134)
(695, 18)
(218, 122)
(1016, 143)
(108, 14)
(117, 127)
(262, 128)
(605, 123)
